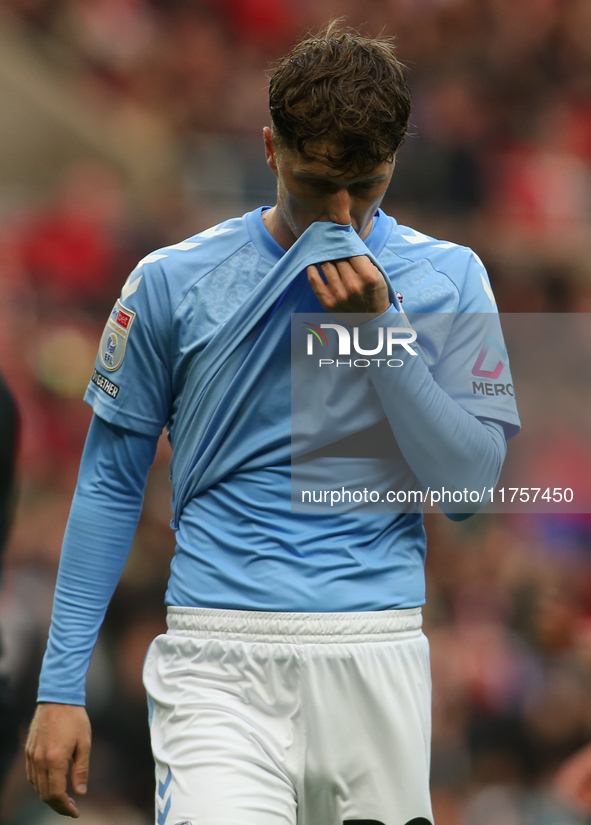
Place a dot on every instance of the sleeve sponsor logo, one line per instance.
(487, 353)
(486, 388)
(123, 319)
(494, 356)
(114, 338)
(104, 384)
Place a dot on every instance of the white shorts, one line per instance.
(290, 718)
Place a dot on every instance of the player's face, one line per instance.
(309, 190)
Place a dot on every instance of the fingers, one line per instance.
(58, 734)
(335, 291)
(31, 774)
(362, 265)
(31, 761)
(340, 285)
(342, 279)
(56, 795)
(321, 290)
(352, 285)
(80, 767)
(48, 773)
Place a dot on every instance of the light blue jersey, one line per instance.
(238, 543)
(199, 342)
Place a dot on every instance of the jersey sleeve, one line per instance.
(444, 445)
(474, 368)
(449, 437)
(131, 385)
(103, 518)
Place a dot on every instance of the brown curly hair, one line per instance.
(345, 89)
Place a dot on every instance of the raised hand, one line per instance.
(352, 285)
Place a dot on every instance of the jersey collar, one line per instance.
(269, 249)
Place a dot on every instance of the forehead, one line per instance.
(317, 163)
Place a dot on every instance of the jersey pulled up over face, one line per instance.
(239, 546)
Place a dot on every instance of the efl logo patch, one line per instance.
(114, 338)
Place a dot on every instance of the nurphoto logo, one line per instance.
(393, 337)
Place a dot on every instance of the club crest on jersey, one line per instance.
(114, 338)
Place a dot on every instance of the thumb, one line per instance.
(80, 768)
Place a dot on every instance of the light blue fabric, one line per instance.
(206, 445)
(103, 518)
(208, 354)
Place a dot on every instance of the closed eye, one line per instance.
(364, 187)
(322, 185)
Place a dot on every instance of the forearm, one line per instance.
(103, 518)
(445, 446)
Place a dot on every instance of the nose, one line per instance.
(339, 207)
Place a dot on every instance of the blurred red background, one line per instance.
(130, 124)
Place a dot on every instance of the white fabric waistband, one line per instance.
(294, 628)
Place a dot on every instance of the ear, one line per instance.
(270, 153)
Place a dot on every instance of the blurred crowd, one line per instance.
(498, 158)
